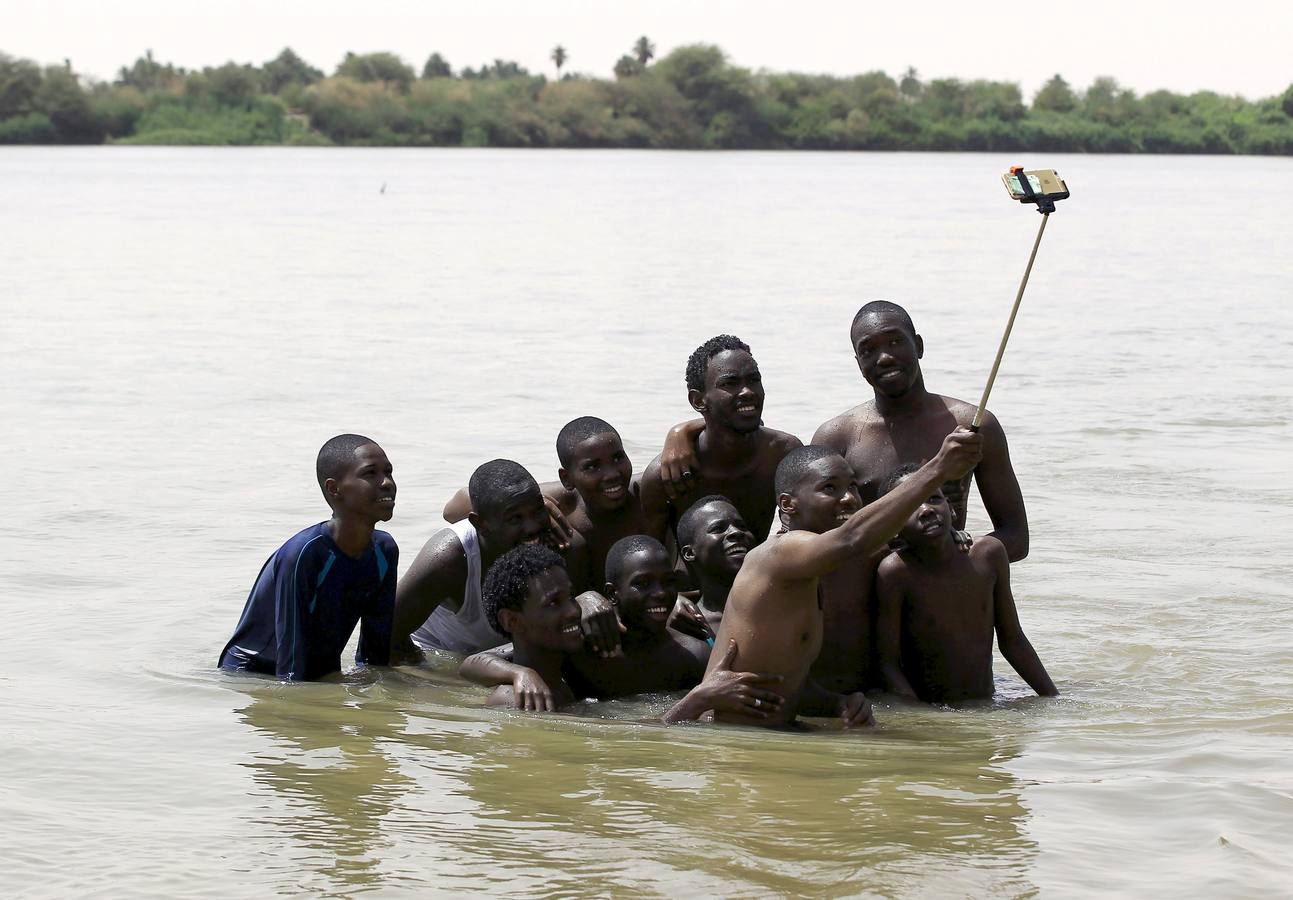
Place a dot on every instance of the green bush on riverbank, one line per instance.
(692, 98)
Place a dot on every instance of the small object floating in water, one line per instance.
(383, 188)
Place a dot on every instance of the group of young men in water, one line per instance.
(868, 583)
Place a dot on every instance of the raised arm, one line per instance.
(437, 576)
(999, 488)
(888, 630)
(802, 554)
(1011, 640)
(495, 667)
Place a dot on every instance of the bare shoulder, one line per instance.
(781, 442)
(891, 566)
(838, 432)
(989, 551)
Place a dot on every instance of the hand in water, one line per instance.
(855, 710)
(687, 619)
(747, 693)
(601, 626)
(530, 692)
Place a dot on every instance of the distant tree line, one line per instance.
(692, 98)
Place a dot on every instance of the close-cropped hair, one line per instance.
(508, 579)
(336, 454)
(698, 362)
(690, 521)
(895, 478)
(796, 462)
(883, 308)
(576, 432)
(634, 543)
(494, 481)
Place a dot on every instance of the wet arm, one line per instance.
(999, 488)
(437, 576)
(1011, 640)
(889, 589)
(679, 456)
(801, 554)
(655, 502)
(293, 592)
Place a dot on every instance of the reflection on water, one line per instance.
(376, 784)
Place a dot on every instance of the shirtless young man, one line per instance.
(737, 455)
(438, 602)
(713, 541)
(774, 611)
(905, 423)
(939, 608)
(655, 657)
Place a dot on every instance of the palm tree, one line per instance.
(559, 58)
(644, 50)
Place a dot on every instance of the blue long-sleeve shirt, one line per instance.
(305, 605)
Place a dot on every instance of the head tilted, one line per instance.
(791, 469)
(496, 482)
(336, 455)
(508, 581)
(693, 518)
(698, 362)
(576, 432)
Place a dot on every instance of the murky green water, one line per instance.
(182, 328)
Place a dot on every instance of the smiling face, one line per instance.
(888, 355)
(720, 540)
(930, 524)
(823, 497)
(646, 591)
(550, 617)
(366, 489)
(515, 516)
(600, 472)
(733, 394)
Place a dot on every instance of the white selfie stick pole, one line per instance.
(1001, 350)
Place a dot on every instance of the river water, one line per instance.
(183, 327)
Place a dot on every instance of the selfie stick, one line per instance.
(1045, 206)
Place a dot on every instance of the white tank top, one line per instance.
(468, 630)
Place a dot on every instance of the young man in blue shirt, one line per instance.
(314, 589)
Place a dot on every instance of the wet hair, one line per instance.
(698, 362)
(493, 482)
(883, 308)
(634, 543)
(508, 580)
(791, 469)
(578, 431)
(895, 478)
(690, 520)
(336, 454)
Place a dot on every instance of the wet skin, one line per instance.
(939, 608)
(544, 631)
(654, 656)
(905, 423)
(737, 455)
(719, 545)
(438, 575)
(774, 612)
(607, 505)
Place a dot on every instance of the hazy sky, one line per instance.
(1239, 47)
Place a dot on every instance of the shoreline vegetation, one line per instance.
(691, 99)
